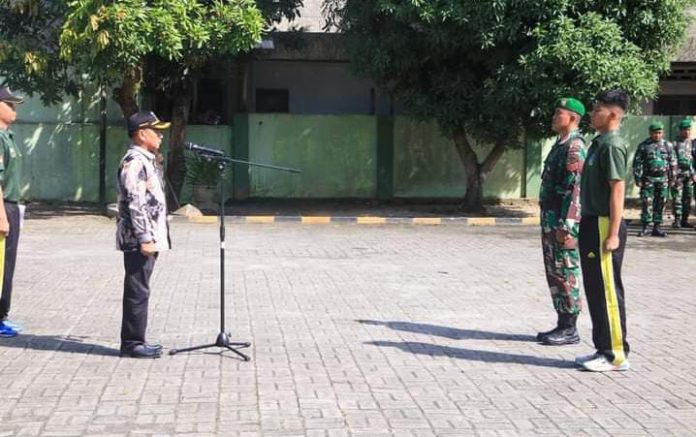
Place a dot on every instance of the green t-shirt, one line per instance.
(9, 166)
(607, 160)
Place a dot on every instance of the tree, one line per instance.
(29, 52)
(125, 44)
(491, 71)
(116, 42)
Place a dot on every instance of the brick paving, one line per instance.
(356, 330)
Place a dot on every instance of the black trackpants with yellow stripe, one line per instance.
(601, 272)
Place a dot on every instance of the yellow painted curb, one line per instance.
(427, 221)
(204, 219)
(316, 220)
(260, 219)
(481, 221)
(531, 220)
(371, 220)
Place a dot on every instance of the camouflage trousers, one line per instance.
(653, 194)
(682, 192)
(562, 264)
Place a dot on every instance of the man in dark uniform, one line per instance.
(559, 200)
(603, 235)
(653, 171)
(10, 166)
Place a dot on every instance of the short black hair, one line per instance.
(614, 97)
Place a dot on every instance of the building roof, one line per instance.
(687, 51)
(310, 19)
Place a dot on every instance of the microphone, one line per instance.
(203, 150)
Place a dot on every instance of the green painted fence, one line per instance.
(340, 156)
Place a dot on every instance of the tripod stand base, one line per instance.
(222, 341)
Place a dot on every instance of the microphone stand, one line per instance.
(223, 338)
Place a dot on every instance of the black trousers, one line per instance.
(604, 289)
(11, 242)
(136, 297)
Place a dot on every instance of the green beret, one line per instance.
(685, 124)
(572, 104)
(655, 126)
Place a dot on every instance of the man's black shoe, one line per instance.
(155, 346)
(676, 225)
(643, 232)
(540, 335)
(686, 225)
(141, 351)
(561, 337)
(657, 232)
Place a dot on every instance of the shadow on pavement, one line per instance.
(473, 355)
(45, 210)
(447, 332)
(59, 343)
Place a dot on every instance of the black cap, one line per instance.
(7, 96)
(145, 119)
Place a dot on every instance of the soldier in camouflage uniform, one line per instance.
(559, 200)
(653, 170)
(683, 187)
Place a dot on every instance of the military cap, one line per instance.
(145, 119)
(685, 124)
(571, 104)
(656, 126)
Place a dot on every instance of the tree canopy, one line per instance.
(491, 70)
(29, 50)
(51, 47)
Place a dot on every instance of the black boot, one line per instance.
(676, 224)
(644, 231)
(657, 232)
(686, 224)
(541, 335)
(566, 333)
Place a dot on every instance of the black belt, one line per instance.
(10, 201)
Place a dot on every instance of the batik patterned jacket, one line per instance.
(142, 206)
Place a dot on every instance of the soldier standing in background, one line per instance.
(653, 170)
(559, 200)
(682, 189)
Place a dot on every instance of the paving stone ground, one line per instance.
(356, 330)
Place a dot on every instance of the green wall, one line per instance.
(426, 164)
(336, 154)
(340, 156)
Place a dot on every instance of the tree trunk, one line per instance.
(476, 173)
(176, 164)
(125, 94)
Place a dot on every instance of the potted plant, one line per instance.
(204, 176)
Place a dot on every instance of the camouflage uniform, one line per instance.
(653, 167)
(559, 199)
(683, 188)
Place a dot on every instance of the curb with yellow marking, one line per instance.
(370, 220)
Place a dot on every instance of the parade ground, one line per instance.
(356, 330)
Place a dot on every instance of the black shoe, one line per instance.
(561, 337)
(154, 346)
(657, 232)
(676, 225)
(686, 225)
(141, 351)
(541, 335)
(643, 232)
